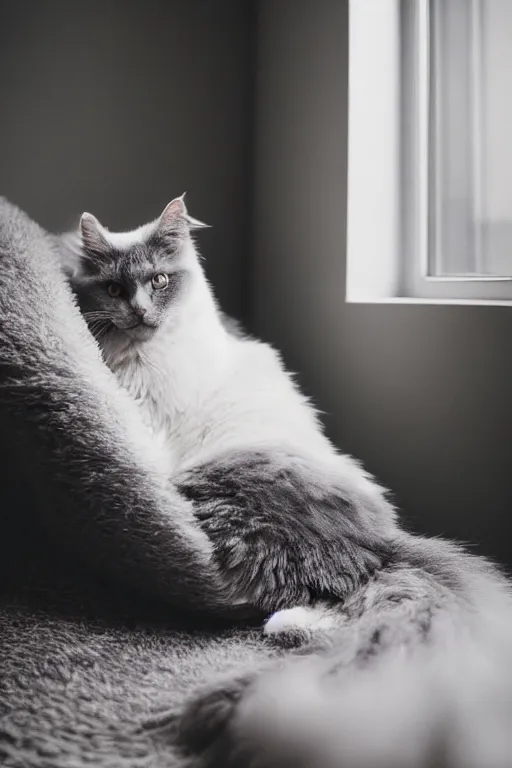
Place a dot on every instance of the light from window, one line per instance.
(471, 137)
(431, 98)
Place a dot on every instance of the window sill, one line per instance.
(440, 302)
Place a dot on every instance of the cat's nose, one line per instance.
(139, 311)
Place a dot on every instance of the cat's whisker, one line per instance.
(97, 314)
(99, 327)
(103, 330)
(95, 324)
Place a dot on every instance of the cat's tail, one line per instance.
(422, 678)
(449, 708)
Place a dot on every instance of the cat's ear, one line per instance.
(94, 240)
(175, 215)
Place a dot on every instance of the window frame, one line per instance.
(391, 172)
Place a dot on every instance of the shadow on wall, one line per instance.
(422, 394)
(119, 107)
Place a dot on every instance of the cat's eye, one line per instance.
(160, 281)
(114, 290)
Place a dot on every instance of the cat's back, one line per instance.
(259, 405)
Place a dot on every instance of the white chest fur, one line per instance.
(176, 378)
(204, 392)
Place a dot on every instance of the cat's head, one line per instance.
(131, 283)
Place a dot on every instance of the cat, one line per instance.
(301, 530)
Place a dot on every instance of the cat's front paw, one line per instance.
(301, 626)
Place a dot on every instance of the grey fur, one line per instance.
(284, 532)
(75, 693)
(418, 672)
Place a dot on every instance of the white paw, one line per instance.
(283, 621)
(301, 618)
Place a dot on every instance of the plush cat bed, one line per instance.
(119, 644)
(99, 558)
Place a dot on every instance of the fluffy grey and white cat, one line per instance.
(302, 531)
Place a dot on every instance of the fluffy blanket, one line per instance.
(99, 559)
(117, 646)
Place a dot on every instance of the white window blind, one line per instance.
(448, 206)
(471, 137)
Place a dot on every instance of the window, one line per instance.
(430, 150)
